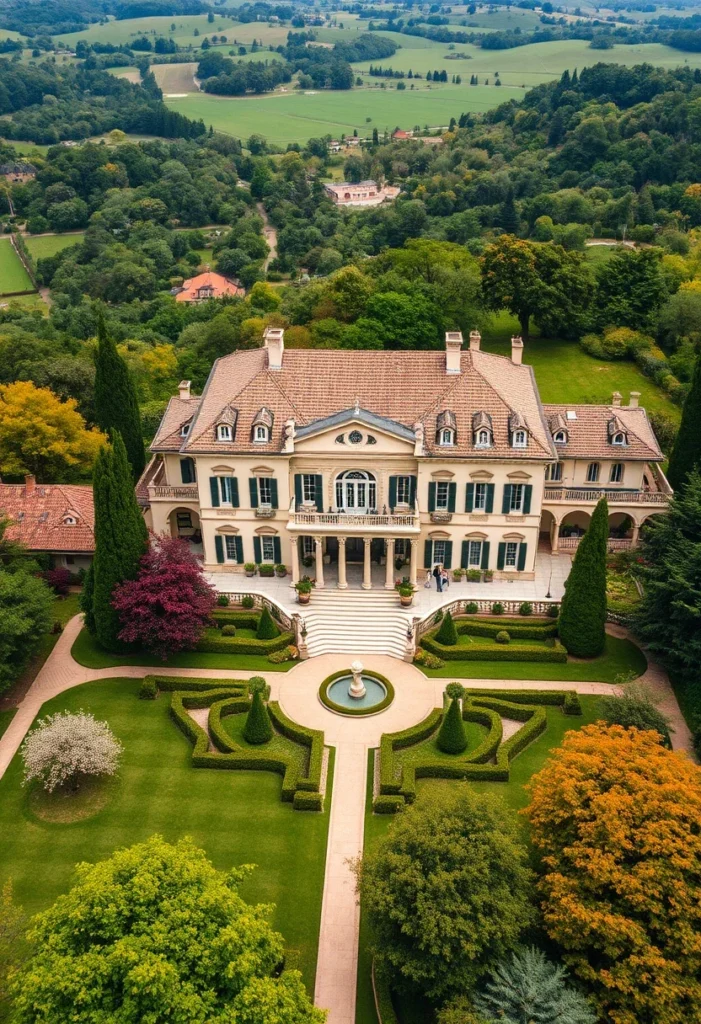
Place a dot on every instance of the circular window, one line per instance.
(355, 437)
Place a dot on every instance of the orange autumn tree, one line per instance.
(616, 819)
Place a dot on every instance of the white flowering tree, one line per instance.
(65, 747)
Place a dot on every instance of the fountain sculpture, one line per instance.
(357, 686)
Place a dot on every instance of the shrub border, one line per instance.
(339, 709)
(479, 652)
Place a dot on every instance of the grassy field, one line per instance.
(26, 148)
(13, 276)
(236, 816)
(126, 31)
(49, 245)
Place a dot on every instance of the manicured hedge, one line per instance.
(515, 628)
(242, 620)
(307, 801)
(241, 645)
(312, 738)
(479, 652)
(170, 683)
(572, 705)
(388, 804)
(340, 709)
(384, 1007)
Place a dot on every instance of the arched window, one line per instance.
(483, 439)
(224, 432)
(618, 438)
(260, 434)
(446, 437)
(356, 491)
(519, 439)
(69, 521)
(185, 429)
(560, 437)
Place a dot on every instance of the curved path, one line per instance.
(297, 691)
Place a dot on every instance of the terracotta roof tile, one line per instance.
(178, 411)
(220, 286)
(38, 516)
(588, 434)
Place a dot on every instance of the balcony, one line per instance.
(180, 492)
(334, 522)
(613, 495)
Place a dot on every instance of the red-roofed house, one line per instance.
(398, 135)
(208, 286)
(56, 519)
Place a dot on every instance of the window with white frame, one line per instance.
(483, 439)
(474, 554)
(616, 473)
(480, 502)
(402, 547)
(403, 490)
(516, 498)
(308, 549)
(265, 494)
(442, 490)
(260, 434)
(185, 430)
(554, 472)
(511, 554)
(560, 437)
(225, 490)
(224, 432)
(439, 552)
(267, 549)
(593, 473)
(447, 437)
(520, 439)
(230, 548)
(309, 487)
(619, 438)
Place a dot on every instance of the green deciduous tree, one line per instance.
(452, 738)
(630, 289)
(267, 627)
(13, 925)
(25, 614)
(116, 404)
(447, 634)
(155, 933)
(686, 454)
(120, 538)
(583, 609)
(447, 892)
(258, 728)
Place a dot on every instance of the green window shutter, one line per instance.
(219, 546)
(187, 471)
(527, 492)
(469, 499)
(234, 492)
(273, 494)
(452, 491)
(485, 554)
(392, 492)
(448, 554)
(432, 497)
(319, 492)
(299, 490)
(428, 554)
(522, 549)
(238, 541)
(506, 501)
(257, 550)
(501, 556)
(463, 554)
(412, 491)
(490, 498)
(277, 554)
(214, 490)
(253, 489)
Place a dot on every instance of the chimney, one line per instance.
(184, 389)
(453, 348)
(29, 483)
(274, 341)
(475, 341)
(517, 350)
(616, 399)
(633, 403)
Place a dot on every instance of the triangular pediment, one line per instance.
(362, 418)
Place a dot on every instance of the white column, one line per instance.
(635, 536)
(319, 552)
(367, 566)
(342, 581)
(295, 560)
(555, 542)
(414, 560)
(389, 568)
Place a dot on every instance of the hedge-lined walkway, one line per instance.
(297, 692)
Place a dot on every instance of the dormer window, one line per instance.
(70, 521)
(185, 429)
(224, 432)
(519, 439)
(446, 429)
(560, 437)
(482, 433)
(618, 438)
(518, 430)
(447, 437)
(260, 434)
(483, 439)
(617, 432)
(262, 426)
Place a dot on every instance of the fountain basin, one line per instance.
(334, 694)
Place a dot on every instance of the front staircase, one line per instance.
(356, 622)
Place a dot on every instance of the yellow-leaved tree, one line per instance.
(42, 435)
(616, 819)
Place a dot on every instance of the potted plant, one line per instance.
(281, 570)
(398, 562)
(488, 575)
(266, 569)
(406, 594)
(474, 576)
(249, 568)
(307, 561)
(458, 574)
(304, 591)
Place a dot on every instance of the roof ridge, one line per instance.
(503, 401)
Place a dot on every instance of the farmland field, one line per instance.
(13, 276)
(48, 245)
(117, 32)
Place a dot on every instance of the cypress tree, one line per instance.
(583, 609)
(86, 600)
(447, 634)
(686, 454)
(258, 728)
(267, 628)
(452, 738)
(508, 215)
(121, 538)
(115, 399)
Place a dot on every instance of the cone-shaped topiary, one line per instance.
(447, 634)
(258, 728)
(686, 454)
(451, 736)
(267, 629)
(583, 611)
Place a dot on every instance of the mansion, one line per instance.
(316, 459)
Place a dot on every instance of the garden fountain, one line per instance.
(356, 692)
(357, 687)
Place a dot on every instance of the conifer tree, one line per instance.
(120, 538)
(452, 738)
(508, 215)
(686, 454)
(447, 634)
(267, 628)
(115, 399)
(583, 609)
(258, 728)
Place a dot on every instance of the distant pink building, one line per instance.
(366, 193)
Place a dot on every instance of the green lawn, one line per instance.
(524, 765)
(236, 816)
(26, 148)
(128, 29)
(48, 245)
(5, 719)
(13, 276)
(620, 657)
(565, 373)
(87, 652)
